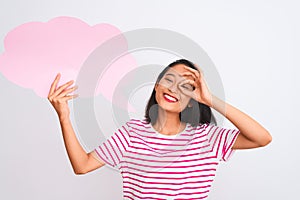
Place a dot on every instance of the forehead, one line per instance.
(177, 71)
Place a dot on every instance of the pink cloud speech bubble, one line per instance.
(36, 51)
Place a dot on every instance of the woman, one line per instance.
(174, 152)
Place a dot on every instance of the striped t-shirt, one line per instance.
(158, 166)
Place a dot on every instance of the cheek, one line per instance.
(184, 98)
(158, 96)
(185, 101)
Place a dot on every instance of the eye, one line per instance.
(188, 86)
(169, 80)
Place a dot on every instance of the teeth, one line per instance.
(170, 98)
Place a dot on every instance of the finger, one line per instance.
(189, 74)
(70, 97)
(65, 92)
(62, 87)
(53, 85)
(187, 92)
(188, 81)
(194, 71)
(199, 69)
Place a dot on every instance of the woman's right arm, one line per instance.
(81, 161)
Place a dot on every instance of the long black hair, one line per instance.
(197, 113)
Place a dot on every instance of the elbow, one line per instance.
(267, 140)
(79, 172)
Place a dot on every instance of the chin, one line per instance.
(170, 108)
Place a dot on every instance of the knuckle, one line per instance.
(55, 100)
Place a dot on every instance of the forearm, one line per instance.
(77, 155)
(246, 125)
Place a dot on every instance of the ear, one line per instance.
(155, 87)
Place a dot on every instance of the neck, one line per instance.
(168, 122)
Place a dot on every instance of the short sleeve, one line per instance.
(112, 150)
(222, 140)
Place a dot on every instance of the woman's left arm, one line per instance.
(252, 134)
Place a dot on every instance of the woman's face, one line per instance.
(170, 93)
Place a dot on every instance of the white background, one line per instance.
(254, 45)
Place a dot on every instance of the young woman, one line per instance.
(172, 153)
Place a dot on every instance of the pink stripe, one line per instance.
(117, 145)
(203, 126)
(159, 193)
(168, 161)
(209, 132)
(164, 155)
(128, 197)
(171, 167)
(109, 153)
(168, 178)
(147, 197)
(199, 142)
(156, 172)
(124, 136)
(169, 183)
(229, 150)
(152, 149)
(220, 140)
(121, 141)
(138, 124)
(139, 197)
(102, 157)
(193, 198)
(225, 142)
(233, 139)
(139, 121)
(199, 133)
(200, 136)
(113, 148)
(167, 188)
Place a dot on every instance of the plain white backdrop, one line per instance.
(255, 47)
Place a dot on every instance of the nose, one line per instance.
(173, 88)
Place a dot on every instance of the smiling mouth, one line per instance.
(170, 98)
